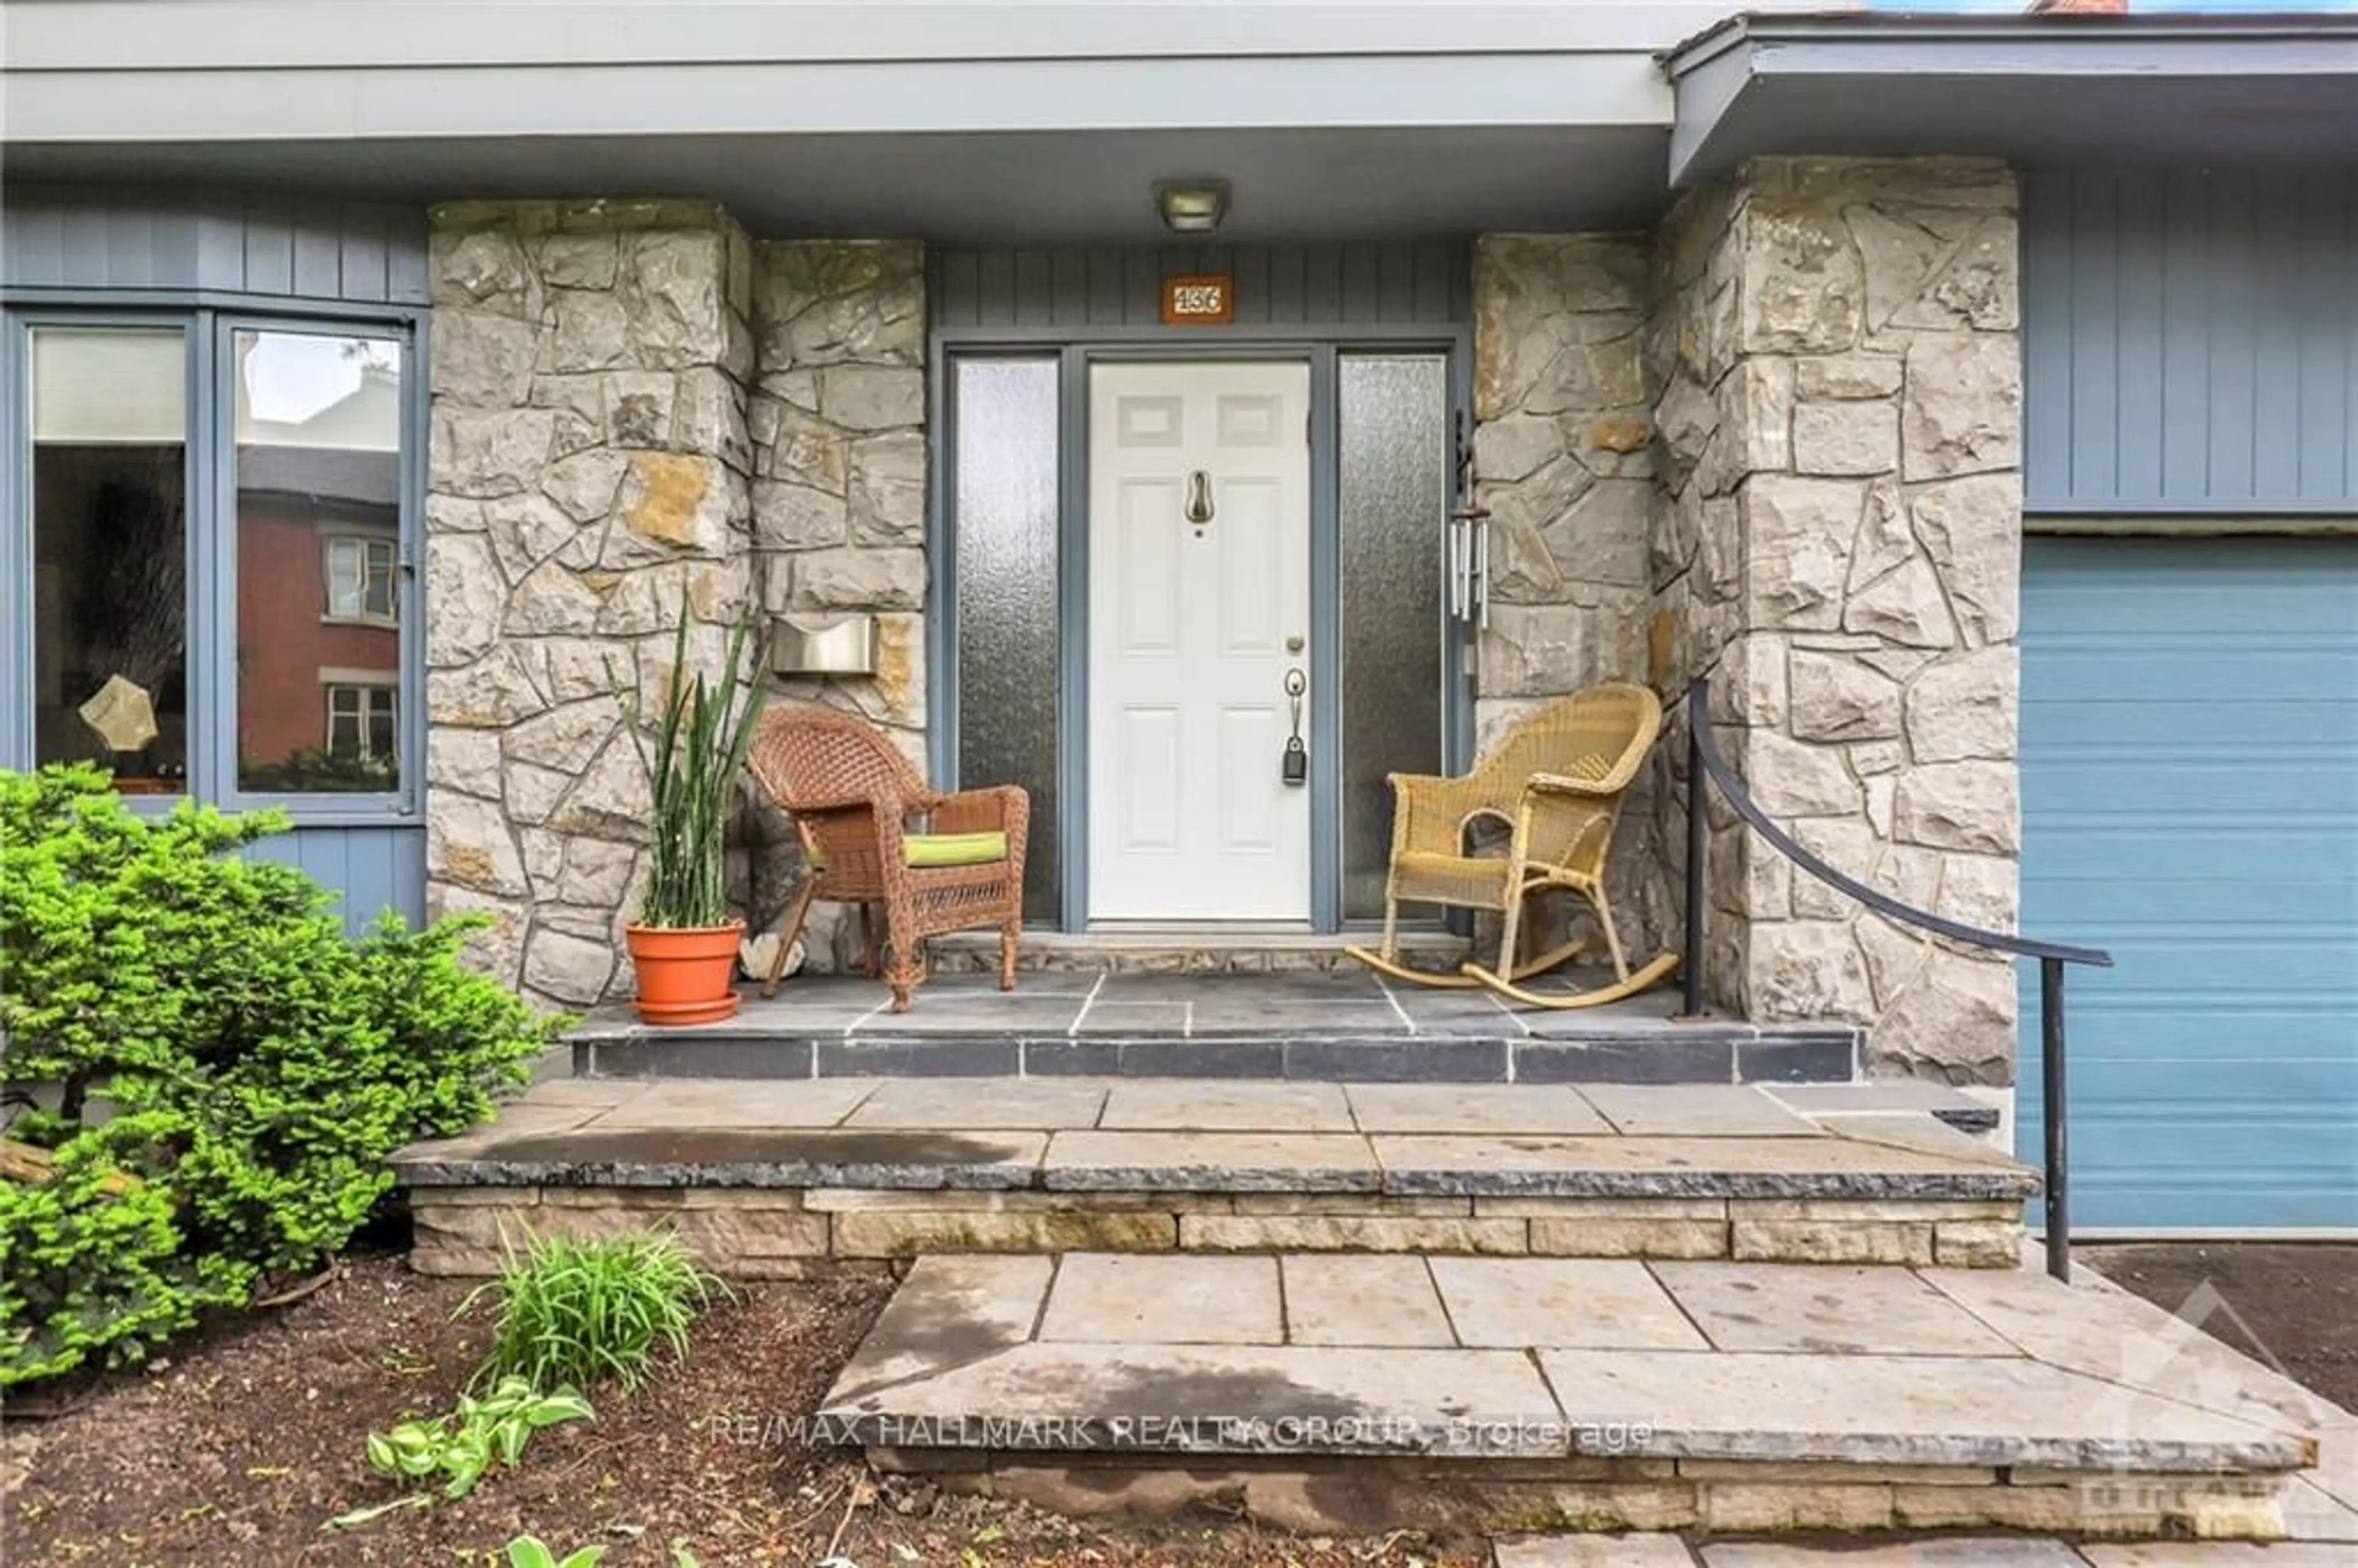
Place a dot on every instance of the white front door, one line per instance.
(1199, 609)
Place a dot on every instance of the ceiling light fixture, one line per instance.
(1192, 206)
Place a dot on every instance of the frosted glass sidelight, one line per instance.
(1394, 501)
(1004, 521)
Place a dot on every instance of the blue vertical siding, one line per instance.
(95, 236)
(2189, 800)
(1316, 286)
(371, 870)
(2191, 340)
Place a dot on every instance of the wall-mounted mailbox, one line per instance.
(823, 645)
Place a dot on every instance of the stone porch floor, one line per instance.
(1349, 1024)
(1715, 1396)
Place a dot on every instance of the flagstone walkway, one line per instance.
(1706, 1395)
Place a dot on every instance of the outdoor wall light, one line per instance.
(823, 645)
(1192, 206)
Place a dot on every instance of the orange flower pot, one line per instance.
(685, 975)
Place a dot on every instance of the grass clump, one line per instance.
(574, 1311)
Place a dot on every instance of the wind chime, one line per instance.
(1469, 554)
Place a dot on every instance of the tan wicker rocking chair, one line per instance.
(1556, 783)
(854, 800)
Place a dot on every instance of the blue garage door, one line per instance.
(2189, 784)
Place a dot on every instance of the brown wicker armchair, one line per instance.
(1555, 782)
(874, 833)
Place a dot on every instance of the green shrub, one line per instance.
(256, 1066)
(91, 1258)
(574, 1311)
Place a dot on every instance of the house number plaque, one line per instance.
(1203, 299)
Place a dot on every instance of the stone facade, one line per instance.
(838, 418)
(589, 470)
(838, 421)
(1564, 462)
(1838, 407)
(1786, 454)
(633, 405)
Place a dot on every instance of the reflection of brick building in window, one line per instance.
(318, 591)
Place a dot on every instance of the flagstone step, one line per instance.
(1361, 1393)
(1348, 1026)
(775, 1178)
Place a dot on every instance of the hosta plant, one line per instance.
(531, 1552)
(478, 1435)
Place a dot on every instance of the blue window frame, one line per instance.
(210, 525)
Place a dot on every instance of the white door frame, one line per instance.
(1230, 841)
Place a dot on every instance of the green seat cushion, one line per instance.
(941, 850)
(953, 848)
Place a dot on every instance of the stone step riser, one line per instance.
(1322, 1494)
(1034, 960)
(769, 1233)
(883, 1050)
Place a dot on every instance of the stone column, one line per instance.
(838, 426)
(838, 418)
(1837, 542)
(588, 471)
(1564, 461)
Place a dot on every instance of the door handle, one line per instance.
(1293, 766)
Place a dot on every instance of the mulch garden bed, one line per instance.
(2291, 1305)
(233, 1449)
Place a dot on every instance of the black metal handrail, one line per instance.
(1704, 760)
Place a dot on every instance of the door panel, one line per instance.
(1251, 564)
(1148, 748)
(1149, 585)
(1251, 816)
(1190, 619)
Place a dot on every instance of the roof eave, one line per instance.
(1717, 72)
(2066, 32)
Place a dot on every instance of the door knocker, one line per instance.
(1199, 499)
